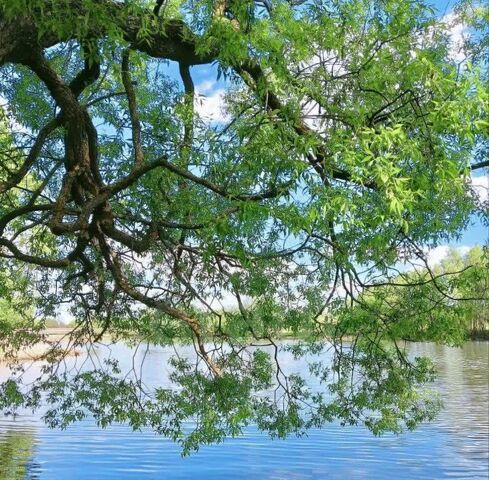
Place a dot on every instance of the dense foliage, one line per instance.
(446, 303)
(350, 133)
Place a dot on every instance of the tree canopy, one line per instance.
(350, 131)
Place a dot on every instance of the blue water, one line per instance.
(456, 445)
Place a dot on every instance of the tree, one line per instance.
(350, 135)
(446, 303)
(15, 307)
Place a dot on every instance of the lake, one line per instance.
(455, 445)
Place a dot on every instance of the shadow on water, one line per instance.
(17, 455)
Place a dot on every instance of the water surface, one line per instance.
(456, 445)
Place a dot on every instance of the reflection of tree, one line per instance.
(15, 454)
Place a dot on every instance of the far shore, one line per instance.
(61, 335)
(38, 351)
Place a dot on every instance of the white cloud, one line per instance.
(210, 101)
(480, 187)
(207, 86)
(212, 107)
(436, 255)
(458, 34)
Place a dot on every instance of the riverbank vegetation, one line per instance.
(447, 303)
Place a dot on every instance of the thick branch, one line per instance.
(133, 109)
(172, 40)
(34, 260)
(477, 166)
(188, 85)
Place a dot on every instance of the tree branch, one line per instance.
(133, 111)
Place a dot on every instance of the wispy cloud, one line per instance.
(210, 101)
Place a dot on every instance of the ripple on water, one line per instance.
(454, 446)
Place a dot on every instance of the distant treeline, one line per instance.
(448, 302)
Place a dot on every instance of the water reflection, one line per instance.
(454, 446)
(16, 455)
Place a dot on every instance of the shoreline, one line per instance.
(37, 352)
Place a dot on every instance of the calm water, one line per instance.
(456, 445)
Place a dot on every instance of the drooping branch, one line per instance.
(114, 266)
